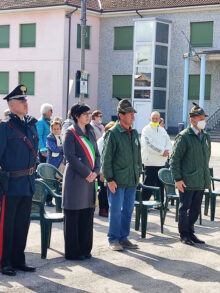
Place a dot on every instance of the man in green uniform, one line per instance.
(190, 170)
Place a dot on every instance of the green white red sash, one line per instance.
(87, 146)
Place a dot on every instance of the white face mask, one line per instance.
(201, 124)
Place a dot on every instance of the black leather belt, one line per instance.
(21, 173)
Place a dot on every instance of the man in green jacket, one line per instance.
(190, 170)
(121, 166)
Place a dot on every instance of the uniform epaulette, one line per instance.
(6, 119)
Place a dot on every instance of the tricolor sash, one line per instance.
(87, 146)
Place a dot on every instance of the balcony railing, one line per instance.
(213, 120)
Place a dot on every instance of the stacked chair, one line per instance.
(53, 178)
(46, 219)
(142, 208)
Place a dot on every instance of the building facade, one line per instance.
(134, 50)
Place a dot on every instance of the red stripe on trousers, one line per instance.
(2, 227)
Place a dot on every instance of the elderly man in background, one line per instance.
(155, 148)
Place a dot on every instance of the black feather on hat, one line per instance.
(196, 111)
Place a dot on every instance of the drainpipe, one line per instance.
(186, 86)
(202, 81)
(68, 15)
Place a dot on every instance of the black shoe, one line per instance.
(25, 268)
(196, 240)
(50, 204)
(8, 270)
(186, 240)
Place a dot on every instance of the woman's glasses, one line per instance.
(87, 114)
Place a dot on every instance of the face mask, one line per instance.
(154, 124)
(201, 124)
(99, 122)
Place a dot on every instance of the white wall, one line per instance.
(46, 59)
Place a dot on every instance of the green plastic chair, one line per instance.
(48, 173)
(142, 208)
(207, 193)
(213, 193)
(46, 219)
(165, 177)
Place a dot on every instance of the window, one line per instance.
(142, 94)
(4, 36)
(87, 40)
(160, 78)
(121, 87)
(159, 100)
(161, 55)
(28, 35)
(77, 86)
(28, 79)
(144, 31)
(123, 38)
(194, 84)
(201, 34)
(143, 55)
(162, 33)
(4, 82)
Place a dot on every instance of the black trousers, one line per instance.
(189, 209)
(14, 225)
(78, 232)
(103, 198)
(151, 179)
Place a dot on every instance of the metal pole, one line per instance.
(202, 81)
(186, 86)
(83, 36)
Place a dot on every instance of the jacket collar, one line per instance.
(119, 127)
(79, 131)
(26, 120)
(190, 130)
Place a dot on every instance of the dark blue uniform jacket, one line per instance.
(16, 155)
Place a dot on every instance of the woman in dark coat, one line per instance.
(82, 167)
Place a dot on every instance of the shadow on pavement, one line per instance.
(178, 268)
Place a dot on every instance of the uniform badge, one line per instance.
(23, 89)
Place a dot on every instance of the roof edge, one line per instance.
(112, 12)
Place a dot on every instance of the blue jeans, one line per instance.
(121, 205)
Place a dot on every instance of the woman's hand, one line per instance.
(88, 178)
(91, 177)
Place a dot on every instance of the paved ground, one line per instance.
(162, 264)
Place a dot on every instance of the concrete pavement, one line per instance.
(162, 264)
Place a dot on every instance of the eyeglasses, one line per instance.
(99, 115)
(87, 114)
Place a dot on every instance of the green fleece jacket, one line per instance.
(190, 159)
(121, 157)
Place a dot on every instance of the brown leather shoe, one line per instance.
(128, 244)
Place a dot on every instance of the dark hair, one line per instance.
(96, 113)
(78, 109)
(69, 116)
